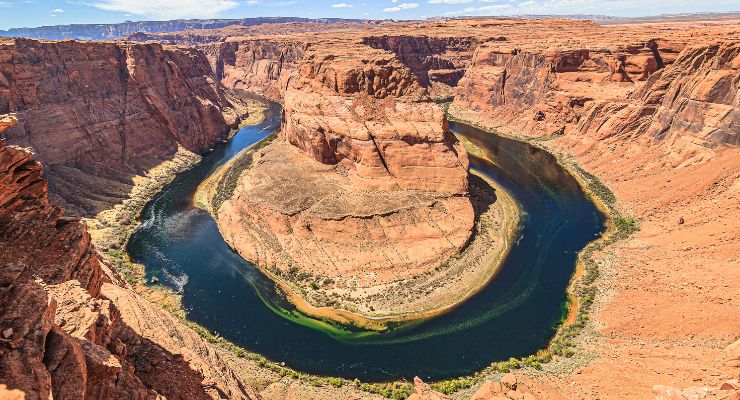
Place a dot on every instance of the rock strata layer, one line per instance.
(97, 114)
(365, 185)
(71, 331)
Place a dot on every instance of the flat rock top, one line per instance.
(291, 183)
(525, 34)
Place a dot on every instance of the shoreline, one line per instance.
(572, 332)
(332, 315)
(170, 302)
(609, 228)
(379, 322)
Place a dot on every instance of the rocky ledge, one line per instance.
(363, 202)
(98, 114)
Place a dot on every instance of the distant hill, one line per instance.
(114, 31)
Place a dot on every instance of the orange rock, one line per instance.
(422, 391)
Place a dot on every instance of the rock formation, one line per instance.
(96, 114)
(364, 157)
(365, 186)
(509, 387)
(586, 92)
(257, 65)
(63, 334)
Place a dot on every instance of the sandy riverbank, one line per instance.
(631, 336)
(423, 295)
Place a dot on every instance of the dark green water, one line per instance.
(515, 315)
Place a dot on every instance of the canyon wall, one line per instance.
(653, 113)
(545, 91)
(97, 114)
(437, 62)
(645, 89)
(366, 186)
(261, 66)
(65, 331)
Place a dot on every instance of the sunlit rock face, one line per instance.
(365, 183)
(96, 114)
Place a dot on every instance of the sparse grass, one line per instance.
(562, 345)
(230, 178)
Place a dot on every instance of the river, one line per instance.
(516, 314)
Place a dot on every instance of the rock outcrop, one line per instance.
(642, 88)
(63, 335)
(437, 62)
(365, 187)
(97, 114)
(261, 66)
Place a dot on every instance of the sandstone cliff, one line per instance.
(71, 331)
(373, 190)
(628, 91)
(653, 113)
(96, 114)
(260, 66)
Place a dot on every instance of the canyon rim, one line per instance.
(362, 205)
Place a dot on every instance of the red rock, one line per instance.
(57, 326)
(112, 111)
(422, 391)
(733, 384)
(365, 161)
(667, 393)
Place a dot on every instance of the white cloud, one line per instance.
(253, 2)
(342, 5)
(168, 9)
(282, 3)
(449, 1)
(402, 6)
(57, 10)
(605, 7)
(498, 9)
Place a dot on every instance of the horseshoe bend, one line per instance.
(362, 203)
(285, 208)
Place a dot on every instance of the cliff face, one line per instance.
(67, 331)
(437, 62)
(261, 66)
(545, 91)
(96, 114)
(39, 248)
(646, 90)
(371, 116)
(364, 162)
(693, 99)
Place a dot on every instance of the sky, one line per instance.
(32, 13)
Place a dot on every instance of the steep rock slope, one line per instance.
(626, 91)
(365, 187)
(437, 62)
(261, 66)
(657, 121)
(96, 114)
(63, 333)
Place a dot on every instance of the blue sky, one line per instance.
(30, 13)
